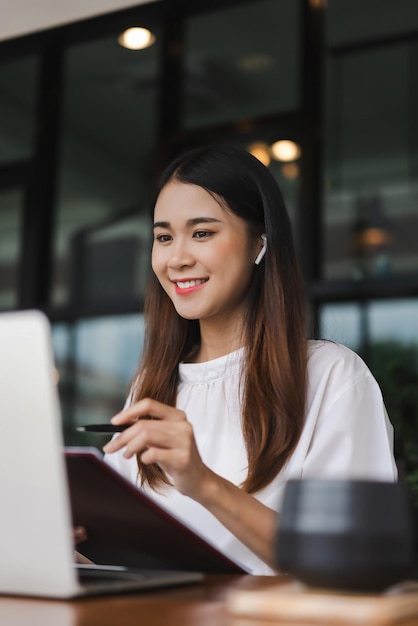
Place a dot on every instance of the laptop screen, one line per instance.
(36, 551)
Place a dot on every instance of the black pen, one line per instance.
(103, 428)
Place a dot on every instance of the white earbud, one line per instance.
(262, 251)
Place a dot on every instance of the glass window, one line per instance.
(371, 180)
(241, 62)
(110, 261)
(342, 323)
(287, 176)
(349, 22)
(96, 360)
(357, 324)
(17, 105)
(106, 170)
(11, 202)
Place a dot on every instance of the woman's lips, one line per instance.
(189, 285)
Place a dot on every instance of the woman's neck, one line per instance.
(216, 342)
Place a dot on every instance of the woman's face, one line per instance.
(203, 255)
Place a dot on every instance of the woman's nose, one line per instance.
(180, 256)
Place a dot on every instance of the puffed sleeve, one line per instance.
(350, 432)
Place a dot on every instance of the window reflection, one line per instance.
(341, 323)
(17, 108)
(109, 262)
(348, 23)
(241, 62)
(371, 184)
(11, 202)
(387, 320)
(96, 360)
(106, 168)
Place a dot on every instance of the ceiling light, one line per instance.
(260, 151)
(286, 150)
(136, 38)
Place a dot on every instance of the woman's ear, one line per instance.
(262, 251)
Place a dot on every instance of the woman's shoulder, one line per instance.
(327, 357)
(330, 350)
(335, 372)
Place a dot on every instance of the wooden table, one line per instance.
(201, 604)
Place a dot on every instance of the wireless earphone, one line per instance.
(262, 251)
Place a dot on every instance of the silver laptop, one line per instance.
(36, 551)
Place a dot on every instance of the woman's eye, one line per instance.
(163, 238)
(202, 234)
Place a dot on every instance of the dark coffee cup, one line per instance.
(346, 534)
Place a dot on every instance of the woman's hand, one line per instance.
(79, 535)
(167, 440)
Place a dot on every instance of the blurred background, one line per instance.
(324, 93)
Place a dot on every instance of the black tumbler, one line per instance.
(346, 534)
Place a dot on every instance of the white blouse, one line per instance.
(347, 434)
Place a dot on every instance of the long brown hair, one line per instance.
(274, 377)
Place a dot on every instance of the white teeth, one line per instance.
(190, 283)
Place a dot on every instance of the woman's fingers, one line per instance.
(144, 434)
(81, 559)
(164, 457)
(79, 534)
(166, 439)
(148, 408)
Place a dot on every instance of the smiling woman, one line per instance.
(205, 264)
(230, 400)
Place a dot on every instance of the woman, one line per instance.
(236, 400)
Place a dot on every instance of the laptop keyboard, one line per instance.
(99, 578)
(93, 574)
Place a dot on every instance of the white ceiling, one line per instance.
(21, 17)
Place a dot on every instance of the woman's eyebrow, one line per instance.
(191, 222)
